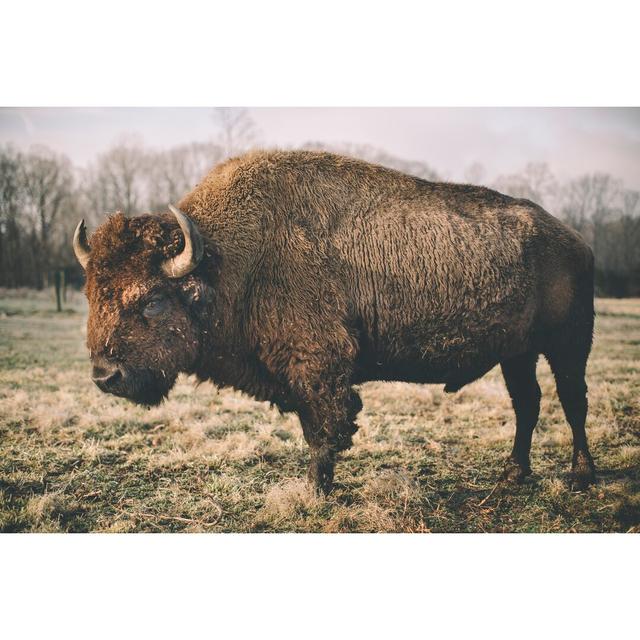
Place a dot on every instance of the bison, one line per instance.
(293, 276)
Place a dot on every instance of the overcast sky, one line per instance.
(571, 140)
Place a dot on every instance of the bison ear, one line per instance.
(194, 291)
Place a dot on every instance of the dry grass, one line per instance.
(73, 459)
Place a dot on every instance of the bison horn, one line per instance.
(80, 245)
(188, 260)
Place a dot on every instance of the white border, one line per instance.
(320, 586)
(288, 53)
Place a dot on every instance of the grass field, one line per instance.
(74, 459)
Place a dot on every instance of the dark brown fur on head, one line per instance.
(123, 274)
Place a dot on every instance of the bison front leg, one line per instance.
(321, 469)
(328, 426)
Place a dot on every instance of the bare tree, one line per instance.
(541, 181)
(237, 130)
(35, 191)
(619, 245)
(589, 200)
(48, 183)
(535, 182)
(172, 173)
(11, 202)
(117, 181)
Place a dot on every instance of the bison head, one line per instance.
(144, 292)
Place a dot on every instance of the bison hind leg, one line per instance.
(569, 371)
(567, 351)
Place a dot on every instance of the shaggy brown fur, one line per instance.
(321, 272)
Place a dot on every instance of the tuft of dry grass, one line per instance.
(290, 499)
(73, 459)
(48, 512)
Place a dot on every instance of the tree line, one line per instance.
(601, 209)
(42, 197)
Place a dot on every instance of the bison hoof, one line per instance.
(515, 472)
(583, 472)
(320, 473)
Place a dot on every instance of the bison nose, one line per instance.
(106, 375)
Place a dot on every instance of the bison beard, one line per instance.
(293, 276)
(141, 386)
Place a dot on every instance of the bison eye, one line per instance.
(155, 306)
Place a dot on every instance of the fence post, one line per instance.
(57, 278)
